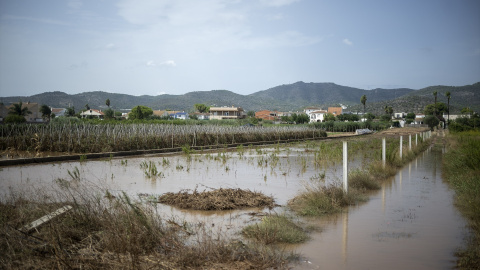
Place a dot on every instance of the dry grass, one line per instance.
(114, 232)
(217, 199)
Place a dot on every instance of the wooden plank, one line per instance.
(35, 224)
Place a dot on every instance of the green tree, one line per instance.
(285, 118)
(329, 117)
(251, 113)
(447, 94)
(435, 95)
(386, 118)
(107, 102)
(302, 118)
(439, 108)
(363, 100)
(109, 114)
(410, 117)
(431, 120)
(201, 108)
(293, 117)
(87, 107)
(388, 110)
(46, 111)
(70, 112)
(14, 118)
(17, 109)
(466, 110)
(140, 112)
(369, 116)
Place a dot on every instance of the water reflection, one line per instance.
(407, 225)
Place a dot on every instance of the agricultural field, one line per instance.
(91, 138)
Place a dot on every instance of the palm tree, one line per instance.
(107, 102)
(447, 94)
(87, 107)
(363, 100)
(46, 111)
(435, 95)
(17, 109)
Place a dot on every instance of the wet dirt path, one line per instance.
(410, 223)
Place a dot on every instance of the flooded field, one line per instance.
(409, 223)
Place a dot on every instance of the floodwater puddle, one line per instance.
(409, 223)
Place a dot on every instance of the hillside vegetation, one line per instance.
(288, 97)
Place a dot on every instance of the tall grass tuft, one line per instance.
(321, 200)
(276, 229)
(362, 180)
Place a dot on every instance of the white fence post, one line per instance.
(345, 167)
(416, 139)
(384, 152)
(401, 147)
(410, 142)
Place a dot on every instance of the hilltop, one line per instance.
(288, 97)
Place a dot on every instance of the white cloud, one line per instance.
(110, 46)
(151, 63)
(346, 41)
(168, 63)
(278, 3)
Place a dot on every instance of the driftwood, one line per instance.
(39, 222)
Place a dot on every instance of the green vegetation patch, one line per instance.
(322, 200)
(276, 229)
(462, 171)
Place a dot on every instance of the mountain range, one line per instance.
(287, 97)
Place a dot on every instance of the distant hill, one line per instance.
(289, 97)
(460, 97)
(300, 94)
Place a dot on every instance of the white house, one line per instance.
(92, 113)
(227, 113)
(309, 110)
(202, 116)
(317, 116)
(180, 115)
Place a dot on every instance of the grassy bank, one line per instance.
(462, 171)
(318, 199)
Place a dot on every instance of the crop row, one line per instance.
(88, 138)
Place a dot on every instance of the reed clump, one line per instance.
(276, 229)
(322, 200)
(363, 180)
(217, 199)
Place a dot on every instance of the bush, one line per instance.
(14, 118)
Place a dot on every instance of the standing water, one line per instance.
(410, 224)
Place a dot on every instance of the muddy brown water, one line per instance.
(409, 224)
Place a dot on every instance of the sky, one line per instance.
(154, 47)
